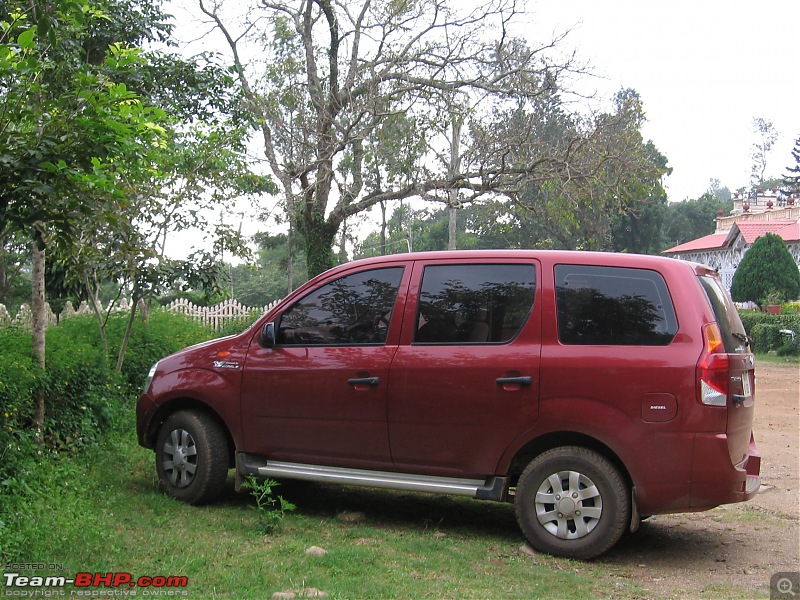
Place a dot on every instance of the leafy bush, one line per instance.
(236, 326)
(18, 379)
(766, 337)
(790, 346)
(765, 330)
(83, 401)
(163, 334)
(751, 318)
(767, 273)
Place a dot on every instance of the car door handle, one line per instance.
(373, 381)
(524, 380)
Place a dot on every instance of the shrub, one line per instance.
(766, 337)
(751, 318)
(766, 271)
(163, 334)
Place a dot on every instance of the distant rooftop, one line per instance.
(753, 215)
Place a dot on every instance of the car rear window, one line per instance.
(733, 333)
(474, 304)
(613, 306)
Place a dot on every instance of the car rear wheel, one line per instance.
(192, 457)
(572, 502)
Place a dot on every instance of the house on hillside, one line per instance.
(753, 215)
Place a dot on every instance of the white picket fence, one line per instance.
(216, 316)
(213, 316)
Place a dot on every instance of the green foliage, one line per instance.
(238, 325)
(85, 403)
(19, 376)
(792, 178)
(766, 337)
(163, 334)
(765, 330)
(410, 546)
(767, 272)
(271, 508)
(692, 219)
(751, 318)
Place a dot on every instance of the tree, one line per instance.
(335, 73)
(691, 219)
(765, 140)
(767, 270)
(792, 178)
(15, 284)
(592, 170)
(86, 152)
(69, 130)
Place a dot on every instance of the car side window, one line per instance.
(613, 306)
(474, 304)
(355, 310)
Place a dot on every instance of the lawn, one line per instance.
(102, 512)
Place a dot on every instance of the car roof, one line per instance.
(550, 256)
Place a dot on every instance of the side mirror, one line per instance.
(266, 338)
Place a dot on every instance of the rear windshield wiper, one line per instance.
(743, 337)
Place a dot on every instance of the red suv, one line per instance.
(590, 389)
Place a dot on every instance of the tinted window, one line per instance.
(474, 304)
(613, 306)
(730, 325)
(352, 310)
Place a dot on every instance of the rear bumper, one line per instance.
(715, 480)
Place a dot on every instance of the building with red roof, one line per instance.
(753, 215)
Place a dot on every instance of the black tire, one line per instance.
(572, 502)
(192, 457)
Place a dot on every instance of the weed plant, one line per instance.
(271, 508)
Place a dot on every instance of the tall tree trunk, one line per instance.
(452, 170)
(127, 337)
(383, 228)
(101, 323)
(290, 259)
(319, 238)
(39, 311)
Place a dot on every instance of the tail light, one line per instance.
(713, 368)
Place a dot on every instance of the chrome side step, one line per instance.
(491, 488)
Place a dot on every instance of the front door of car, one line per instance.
(465, 379)
(319, 395)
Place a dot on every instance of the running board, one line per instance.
(492, 488)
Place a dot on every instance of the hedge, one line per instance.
(765, 331)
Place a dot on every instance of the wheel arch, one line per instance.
(556, 439)
(187, 403)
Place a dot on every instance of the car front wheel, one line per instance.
(192, 457)
(572, 502)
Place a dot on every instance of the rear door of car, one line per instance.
(741, 401)
(465, 378)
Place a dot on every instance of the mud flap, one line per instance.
(636, 518)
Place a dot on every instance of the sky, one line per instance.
(704, 70)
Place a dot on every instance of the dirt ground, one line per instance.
(734, 550)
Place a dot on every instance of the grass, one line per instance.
(775, 359)
(103, 512)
